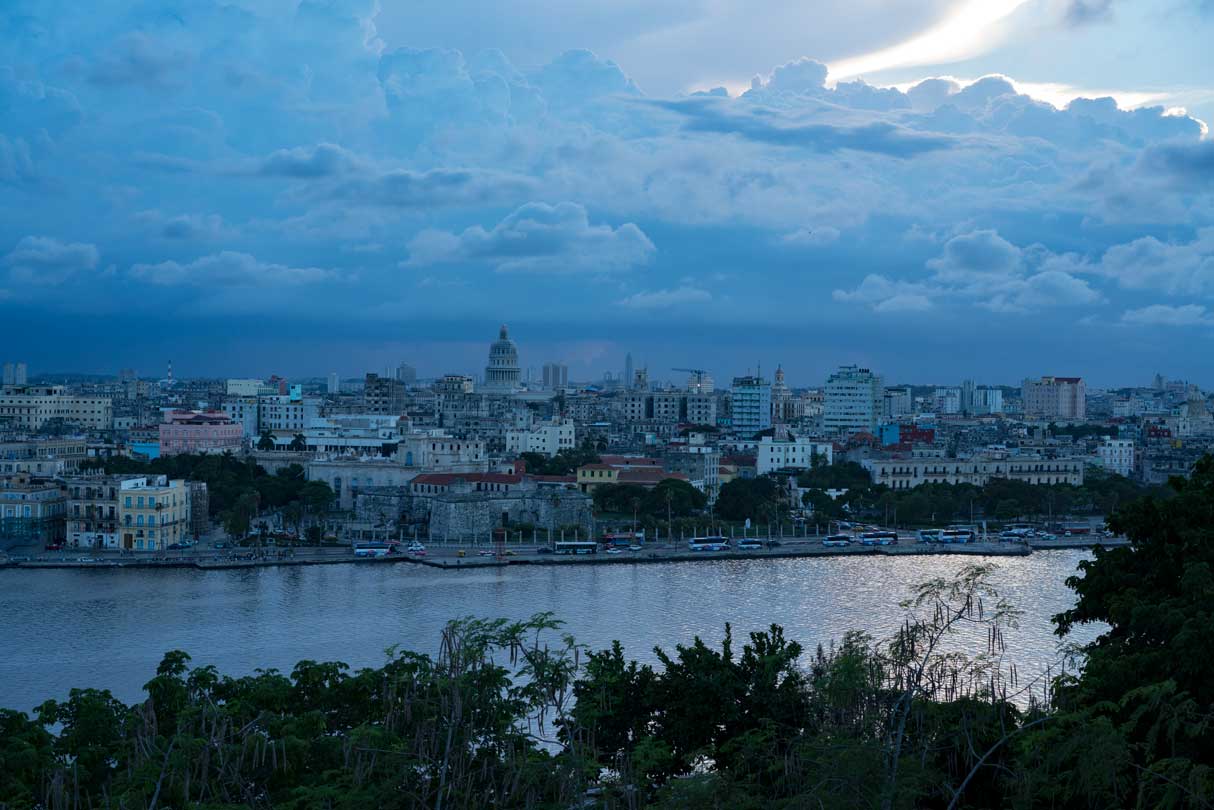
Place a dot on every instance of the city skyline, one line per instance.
(288, 183)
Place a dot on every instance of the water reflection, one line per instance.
(64, 629)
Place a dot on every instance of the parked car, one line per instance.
(543, 550)
(636, 548)
(54, 546)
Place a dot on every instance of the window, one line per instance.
(127, 502)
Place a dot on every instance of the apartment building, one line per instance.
(913, 472)
(547, 439)
(796, 454)
(1055, 398)
(153, 513)
(199, 432)
(854, 400)
(30, 407)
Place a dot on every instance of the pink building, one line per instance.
(199, 432)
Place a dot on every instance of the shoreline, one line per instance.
(627, 558)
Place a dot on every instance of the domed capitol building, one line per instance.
(503, 374)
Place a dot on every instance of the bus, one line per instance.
(575, 547)
(624, 539)
(374, 549)
(836, 540)
(929, 535)
(956, 535)
(1071, 529)
(878, 538)
(750, 544)
(715, 543)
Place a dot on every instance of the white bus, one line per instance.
(716, 543)
(576, 547)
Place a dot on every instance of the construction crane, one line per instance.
(699, 372)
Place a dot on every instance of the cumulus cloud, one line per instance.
(308, 162)
(1165, 315)
(539, 238)
(45, 260)
(983, 269)
(666, 299)
(229, 269)
(1184, 268)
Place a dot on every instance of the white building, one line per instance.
(797, 454)
(1055, 398)
(502, 374)
(854, 400)
(28, 407)
(334, 384)
(948, 400)
(14, 374)
(897, 402)
(910, 473)
(1117, 455)
(243, 411)
(556, 375)
(547, 439)
(988, 401)
(249, 388)
(280, 413)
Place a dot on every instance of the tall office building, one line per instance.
(15, 374)
(1055, 398)
(853, 400)
(334, 383)
(556, 375)
(750, 406)
(628, 380)
(406, 374)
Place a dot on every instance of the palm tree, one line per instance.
(299, 443)
(266, 442)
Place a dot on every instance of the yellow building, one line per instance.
(153, 513)
(592, 476)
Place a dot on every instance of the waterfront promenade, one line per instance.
(448, 555)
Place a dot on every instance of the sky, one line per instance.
(939, 190)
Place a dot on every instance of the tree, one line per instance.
(238, 519)
(756, 499)
(1145, 694)
(298, 443)
(266, 442)
(683, 499)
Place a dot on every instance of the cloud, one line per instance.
(1147, 263)
(882, 294)
(811, 237)
(140, 59)
(1184, 165)
(1165, 315)
(666, 299)
(981, 268)
(43, 260)
(404, 188)
(539, 238)
(710, 115)
(185, 226)
(229, 269)
(321, 160)
(1082, 12)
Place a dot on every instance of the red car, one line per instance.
(54, 546)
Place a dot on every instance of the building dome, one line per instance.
(503, 373)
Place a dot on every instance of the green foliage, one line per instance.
(651, 504)
(563, 463)
(940, 504)
(237, 488)
(758, 499)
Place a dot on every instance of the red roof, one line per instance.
(647, 476)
